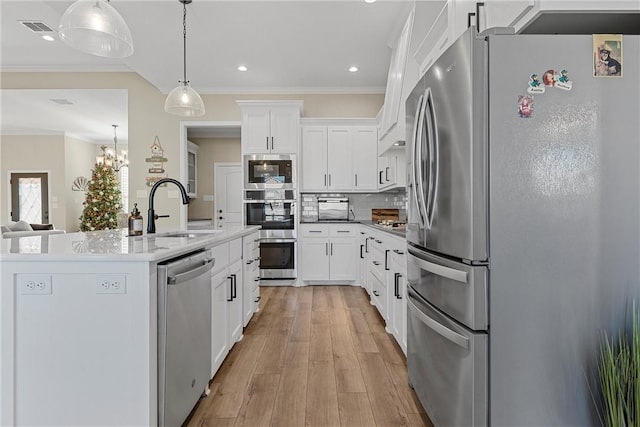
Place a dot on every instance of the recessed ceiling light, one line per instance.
(48, 38)
(353, 69)
(242, 68)
(369, 1)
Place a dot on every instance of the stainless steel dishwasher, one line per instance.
(184, 335)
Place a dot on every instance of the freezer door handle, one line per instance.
(437, 269)
(437, 327)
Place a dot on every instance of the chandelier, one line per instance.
(113, 158)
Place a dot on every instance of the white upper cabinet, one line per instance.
(451, 20)
(503, 13)
(392, 122)
(364, 158)
(518, 14)
(314, 158)
(339, 158)
(270, 126)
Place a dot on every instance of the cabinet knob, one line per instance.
(220, 217)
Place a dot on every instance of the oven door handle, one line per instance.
(270, 240)
(437, 327)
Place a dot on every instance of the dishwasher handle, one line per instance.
(188, 275)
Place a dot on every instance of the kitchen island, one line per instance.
(79, 323)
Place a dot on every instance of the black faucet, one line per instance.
(151, 215)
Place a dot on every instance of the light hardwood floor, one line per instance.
(312, 356)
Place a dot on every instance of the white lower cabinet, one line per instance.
(226, 301)
(250, 276)
(328, 252)
(397, 292)
(383, 272)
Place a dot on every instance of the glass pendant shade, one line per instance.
(184, 101)
(95, 27)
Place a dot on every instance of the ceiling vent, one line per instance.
(37, 26)
(62, 101)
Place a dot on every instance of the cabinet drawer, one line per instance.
(315, 230)
(221, 256)
(339, 230)
(235, 249)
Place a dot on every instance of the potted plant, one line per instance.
(619, 376)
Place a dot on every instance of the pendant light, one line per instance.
(119, 160)
(183, 100)
(95, 27)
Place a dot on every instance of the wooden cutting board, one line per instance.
(385, 215)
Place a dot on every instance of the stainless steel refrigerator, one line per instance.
(523, 226)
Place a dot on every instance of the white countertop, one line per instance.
(115, 245)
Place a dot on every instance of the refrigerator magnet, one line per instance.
(525, 106)
(535, 86)
(607, 55)
(563, 81)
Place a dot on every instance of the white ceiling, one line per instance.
(301, 46)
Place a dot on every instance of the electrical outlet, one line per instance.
(111, 284)
(35, 284)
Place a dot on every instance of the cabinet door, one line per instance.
(339, 152)
(235, 305)
(365, 157)
(219, 319)
(315, 259)
(314, 158)
(285, 124)
(247, 286)
(256, 136)
(503, 13)
(393, 93)
(192, 169)
(342, 252)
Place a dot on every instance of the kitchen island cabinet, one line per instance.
(79, 324)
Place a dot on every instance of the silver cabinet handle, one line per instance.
(439, 270)
(250, 262)
(331, 253)
(329, 180)
(376, 293)
(376, 263)
(344, 231)
(399, 252)
(440, 329)
(315, 231)
(356, 175)
(267, 143)
(325, 179)
(272, 143)
(326, 249)
(378, 241)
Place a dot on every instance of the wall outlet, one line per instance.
(111, 284)
(35, 284)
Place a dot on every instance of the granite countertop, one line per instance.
(115, 245)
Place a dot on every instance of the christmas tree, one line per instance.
(102, 204)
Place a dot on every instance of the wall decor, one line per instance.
(80, 184)
(156, 170)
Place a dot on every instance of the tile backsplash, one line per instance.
(359, 204)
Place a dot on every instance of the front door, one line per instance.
(30, 197)
(227, 184)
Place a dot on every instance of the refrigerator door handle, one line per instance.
(432, 136)
(437, 269)
(437, 327)
(417, 161)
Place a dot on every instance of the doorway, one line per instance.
(30, 197)
(227, 193)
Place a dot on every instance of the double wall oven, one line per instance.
(270, 202)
